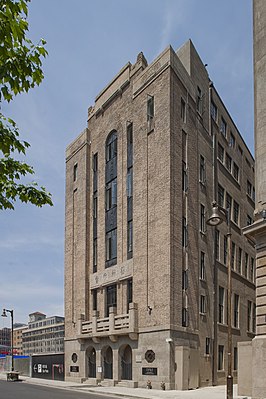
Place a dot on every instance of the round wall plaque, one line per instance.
(150, 356)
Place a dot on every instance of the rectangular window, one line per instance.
(236, 213)
(183, 110)
(232, 140)
(130, 182)
(203, 304)
(220, 357)
(94, 299)
(202, 219)
(253, 193)
(233, 255)
(129, 144)
(220, 153)
(111, 298)
(221, 306)
(239, 263)
(249, 188)
(235, 358)
(95, 255)
(184, 279)
(236, 171)
(225, 249)
(214, 112)
(251, 270)
(129, 292)
(249, 220)
(184, 176)
(184, 317)
(184, 232)
(75, 172)
(254, 318)
(228, 203)
(208, 346)
(228, 162)
(111, 245)
(249, 314)
(130, 236)
(111, 195)
(202, 176)
(223, 127)
(150, 112)
(217, 244)
(202, 265)
(199, 101)
(236, 311)
(246, 265)
(220, 196)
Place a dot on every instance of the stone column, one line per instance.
(257, 230)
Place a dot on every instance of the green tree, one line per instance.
(20, 70)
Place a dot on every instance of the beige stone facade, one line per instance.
(159, 147)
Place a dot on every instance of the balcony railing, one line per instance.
(124, 324)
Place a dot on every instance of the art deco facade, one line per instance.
(145, 279)
(43, 335)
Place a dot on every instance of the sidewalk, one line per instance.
(218, 392)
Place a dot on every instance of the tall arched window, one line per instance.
(111, 200)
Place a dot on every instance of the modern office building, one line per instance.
(17, 338)
(43, 335)
(145, 278)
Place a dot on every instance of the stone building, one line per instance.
(145, 279)
(17, 338)
(43, 335)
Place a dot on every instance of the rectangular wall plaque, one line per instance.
(74, 369)
(149, 370)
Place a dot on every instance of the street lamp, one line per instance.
(12, 327)
(218, 216)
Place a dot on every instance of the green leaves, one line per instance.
(20, 70)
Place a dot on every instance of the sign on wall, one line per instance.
(50, 367)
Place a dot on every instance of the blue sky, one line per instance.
(88, 43)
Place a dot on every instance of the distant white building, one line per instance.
(44, 334)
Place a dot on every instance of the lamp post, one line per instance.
(218, 216)
(12, 327)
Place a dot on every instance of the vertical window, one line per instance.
(207, 346)
(229, 203)
(94, 299)
(75, 172)
(184, 176)
(228, 162)
(184, 232)
(232, 140)
(254, 318)
(214, 111)
(202, 170)
(129, 237)
(252, 269)
(95, 255)
(199, 101)
(217, 244)
(202, 219)
(111, 146)
(203, 304)
(220, 195)
(184, 279)
(129, 292)
(236, 311)
(236, 213)
(220, 357)
(95, 211)
(249, 188)
(239, 263)
(111, 246)
(246, 265)
(253, 193)
(184, 317)
(202, 265)
(236, 171)
(249, 314)
(235, 358)
(223, 127)
(233, 255)
(220, 153)
(225, 249)
(249, 220)
(183, 110)
(221, 305)
(150, 112)
(111, 298)
(130, 182)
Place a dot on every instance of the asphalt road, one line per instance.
(20, 390)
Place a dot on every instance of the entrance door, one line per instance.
(92, 364)
(108, 364)
(126, 364)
